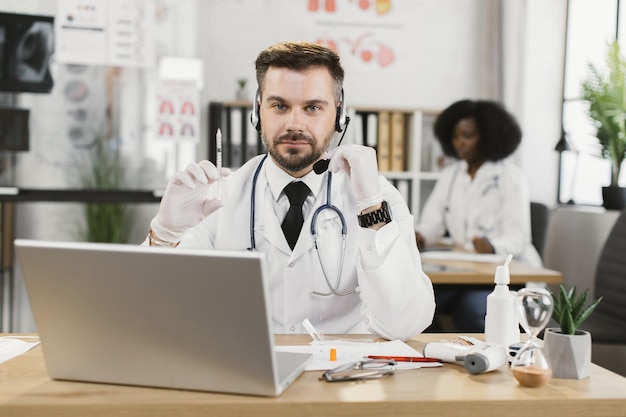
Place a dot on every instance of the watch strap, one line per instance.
(382, 215)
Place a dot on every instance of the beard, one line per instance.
(296, 160)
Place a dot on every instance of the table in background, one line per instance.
(26, 390)
(474, 272)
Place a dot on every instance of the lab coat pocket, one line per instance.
(335, 308)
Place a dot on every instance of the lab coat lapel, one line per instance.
(273, 233)
(305, 241)
(270, 230)
(268, 225)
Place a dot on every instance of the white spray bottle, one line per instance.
(501, 324)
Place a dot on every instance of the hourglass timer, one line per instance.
(534, 308)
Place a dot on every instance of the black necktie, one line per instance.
(292, 224)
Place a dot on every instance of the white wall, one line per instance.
(455, 53)
(452, 51)
(457, 56)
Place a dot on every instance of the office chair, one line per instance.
(539, 217)
(607, 324)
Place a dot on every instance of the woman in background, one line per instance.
(480, 202)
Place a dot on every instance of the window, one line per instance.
(591, 26)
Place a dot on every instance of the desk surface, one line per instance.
(472, 272)
(26, 390)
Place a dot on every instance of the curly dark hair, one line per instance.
(300, 56)
(499, 132)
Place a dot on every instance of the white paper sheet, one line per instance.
(349, 351)
(10, 347)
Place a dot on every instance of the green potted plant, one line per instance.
(104, 170)
(242, 92)
(568, 348)
(606, 94)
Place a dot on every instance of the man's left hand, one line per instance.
(360, 164)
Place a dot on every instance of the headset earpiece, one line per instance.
(255, 117)
(341, 119)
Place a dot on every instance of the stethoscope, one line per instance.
(327, 206)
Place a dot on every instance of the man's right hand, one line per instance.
(184, 203)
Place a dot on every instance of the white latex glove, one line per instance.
(360, 164)
(184, 203)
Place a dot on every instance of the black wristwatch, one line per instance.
(381, 215)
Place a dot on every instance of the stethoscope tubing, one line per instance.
(327, 206)
(255, 177)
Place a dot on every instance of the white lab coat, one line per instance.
(394, 297)
(494, 204)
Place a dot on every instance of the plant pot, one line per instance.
(614, 197)
(242, 95)
(569, 355)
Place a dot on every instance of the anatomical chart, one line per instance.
(370, 35)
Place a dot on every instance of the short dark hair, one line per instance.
(500, 133)
(300, 56)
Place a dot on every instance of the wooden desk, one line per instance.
(26, 390)
(468, 272)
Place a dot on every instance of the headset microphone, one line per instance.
(322, 165)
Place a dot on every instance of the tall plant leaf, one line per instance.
(105, 170)
(606, 95)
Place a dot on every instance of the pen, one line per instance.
(405, 358)
(218, 157)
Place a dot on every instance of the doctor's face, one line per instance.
(465, 139)
(297, 112)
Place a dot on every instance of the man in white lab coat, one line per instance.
(372, 282)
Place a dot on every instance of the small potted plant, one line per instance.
(242, 92)
(567, 348)
(606, 95)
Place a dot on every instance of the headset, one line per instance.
(341, 119)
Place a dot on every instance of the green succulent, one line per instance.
(569, 309)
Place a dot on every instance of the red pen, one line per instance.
(405, 358)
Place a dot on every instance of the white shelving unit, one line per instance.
(421, 150)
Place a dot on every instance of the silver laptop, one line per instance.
(172, 318)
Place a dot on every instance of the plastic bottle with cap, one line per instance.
(501, 324)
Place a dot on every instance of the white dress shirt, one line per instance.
(393, 299)
(494, 204)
